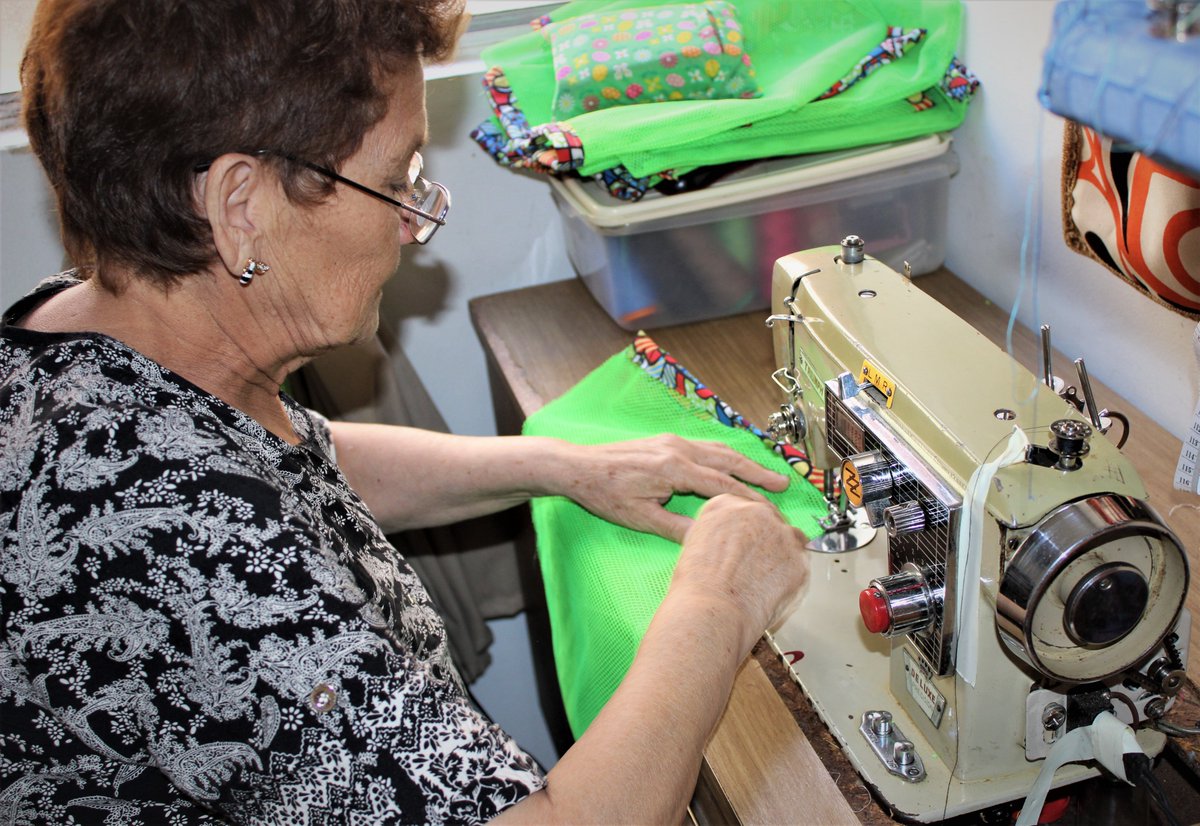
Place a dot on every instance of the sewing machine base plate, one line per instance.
(844, 670)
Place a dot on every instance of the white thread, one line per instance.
(970, 552)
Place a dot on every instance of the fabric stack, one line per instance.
(635, 93)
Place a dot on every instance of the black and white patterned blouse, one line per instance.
(200, 622)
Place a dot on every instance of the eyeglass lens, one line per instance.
(430, 198)
(427, 196)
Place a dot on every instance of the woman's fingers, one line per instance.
(658, 520)
(707, 482)
(727, 460)
(629, 482)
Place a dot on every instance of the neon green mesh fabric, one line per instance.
(799, 48)
(604, 582)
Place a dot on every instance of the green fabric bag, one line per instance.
(604, 582)
(800, 48)
(678, 51)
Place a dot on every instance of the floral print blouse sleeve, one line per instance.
(199, 622)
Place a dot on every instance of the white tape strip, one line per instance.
(1106, 741)
(970, 552)
(1187, 472)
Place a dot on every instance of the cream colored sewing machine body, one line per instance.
(911, 401)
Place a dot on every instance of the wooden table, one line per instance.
(771, 759)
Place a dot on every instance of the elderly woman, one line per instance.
(200, 618)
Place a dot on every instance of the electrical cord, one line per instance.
(1138, 771)
(1124, 420)
(1177, 731)
(1071, 395)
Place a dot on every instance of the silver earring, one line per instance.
(253, 268)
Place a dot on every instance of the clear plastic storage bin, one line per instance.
(674, 259)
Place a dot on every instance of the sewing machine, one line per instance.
(991, 577)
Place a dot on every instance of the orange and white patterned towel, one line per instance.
(1138, 218)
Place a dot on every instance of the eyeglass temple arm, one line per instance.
(441, 222)
(329, 173)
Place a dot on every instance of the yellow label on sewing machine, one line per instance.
(875, 377)
(851, 483)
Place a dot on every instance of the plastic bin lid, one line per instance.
(761, 180)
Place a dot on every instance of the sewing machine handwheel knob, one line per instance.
(1105, 604)
(873, 606)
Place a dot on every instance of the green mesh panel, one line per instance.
(799, 48)
(604, 582)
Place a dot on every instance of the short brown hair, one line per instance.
(123, 99)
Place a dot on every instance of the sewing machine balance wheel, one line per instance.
(1092, 590)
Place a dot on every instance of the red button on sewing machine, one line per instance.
(874, 609)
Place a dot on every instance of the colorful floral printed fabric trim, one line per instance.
(552, 148)
(663, 367)
(892, 48)
(920, 101)
(687, 51)
(960, 83)
(624, 185)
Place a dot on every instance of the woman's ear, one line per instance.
(235, 195)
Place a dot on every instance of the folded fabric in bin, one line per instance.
(677, 51)
(801, 52)
(555, 148)
(843, 122)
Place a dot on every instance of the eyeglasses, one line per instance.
(427, 202)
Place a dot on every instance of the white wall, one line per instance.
(502, 233)
(29, 241)
(29, 245)
(15, 17)
(1140, 349)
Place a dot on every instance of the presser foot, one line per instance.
(846, 532)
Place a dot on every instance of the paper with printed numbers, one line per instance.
(1187, 472)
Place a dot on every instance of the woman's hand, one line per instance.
(745, 554)
(740, 569)
(629, 482)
